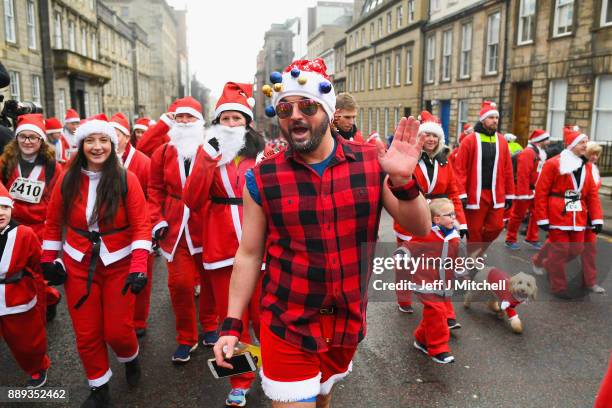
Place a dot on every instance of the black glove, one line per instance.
(597, 228)
(136, 281)
(54, 273)
(161, 233)
(544, 227)
(464, 202)
(464, 233)
(507, 204)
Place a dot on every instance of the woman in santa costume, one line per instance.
(529, 164)
(178, 230)
(436, 177)
(140, 127)
(485, 179)
(216, 183)
(29, 170)
(21, 324)
(566, 203)
(57, 139)
(104, 263)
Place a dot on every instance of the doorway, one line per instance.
(521, 111)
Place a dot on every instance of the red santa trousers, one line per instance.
(485, 223)
(143, 299)
(589, 258)
(604, 396)
(209, 317)
(106, 317)
(26, 337)
(519, 210)
(560, 248)
(220, 279)
(433, 330)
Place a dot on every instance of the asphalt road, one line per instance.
(557, 362)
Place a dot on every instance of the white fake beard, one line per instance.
(187, 137)
(231, 141)
(569, 162)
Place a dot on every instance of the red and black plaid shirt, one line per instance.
(316, 228)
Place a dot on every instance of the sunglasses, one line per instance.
(308, 107)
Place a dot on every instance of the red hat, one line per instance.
(5, 197)
(236, 97)
(53, 125)
(34, 122)
(96, 124)
(71, 116)
(142, 124)
(572, 136)
(539, 135)
(119, 121)
(430, 124)
(488, 108)
(187, 105)
(467, 127)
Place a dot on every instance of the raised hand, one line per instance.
(404, 153)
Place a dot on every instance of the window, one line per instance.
(395, 118)
(526, 23)
(350, 42)
(356, 79)
(83, 41)
(400, 16)
(371, 75)
(398, 69)
(492, 44)
(409, 66)
(71, 36)
(466, 51)
(362, 77)
(61, 102)
(564, 17)
(9, 21)
(370, 120)
(435, 5)
(58, 32)
(387, 71)
(379, 74)
(447, 52)
(380, 28)
(462, 115)
(557, 95)
(349, 80)
(378, 120)
(86, 101)
(606, 12)
(389, 22)
(36, 89)
(602, 108)
(410, 11)
(386, 123)
(356, 40)
(363, 40)
(94, 46)
(92, 4)
(31, 23)
(371, 32)
(430, 63)
(360, 118)
(15, 85)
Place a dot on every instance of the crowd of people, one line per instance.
(269, 235)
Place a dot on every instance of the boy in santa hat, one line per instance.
(57, 139)
(21, 325)
(140, 127)
(71, 123)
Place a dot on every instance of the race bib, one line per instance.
(27, 190)
(572, 201)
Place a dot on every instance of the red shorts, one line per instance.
(290, 374)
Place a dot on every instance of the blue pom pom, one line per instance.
(295, 72)
(276, 77)
(325, 87)
(270, 112)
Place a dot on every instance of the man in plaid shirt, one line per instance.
(311, 208)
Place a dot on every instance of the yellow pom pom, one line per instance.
(278, 87)
(302, 80)
(266, 89)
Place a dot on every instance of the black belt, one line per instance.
(435, 196)
(95, 238)
(572, 200)
(15, 278)
(226, 200)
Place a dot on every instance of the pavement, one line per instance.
(558, 361)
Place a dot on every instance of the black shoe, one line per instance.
(443, 358)
(420, 347)
(37, 380)
(99, 397)
(132, 372)
(453, 324)
(141, 332)
(51, 312)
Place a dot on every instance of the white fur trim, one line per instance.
(492, 112)
(141, 244)
(597, 222)
(543, 222)
(159, 225)
(98, 382)
(233, 107)
(6, 201)
(310, 89)
(71, 120)
(138, 126)
(95, 126)
(166, 120)
(577, 140)
(33, 128)
(326, 387)
(432, 127)
(290, 391)
(568, 162)
(190, 111)
(52, 131)
(130, 358)
(402, 236)
(540, 138)
(121, 128)
(218, 264)
(51, 245)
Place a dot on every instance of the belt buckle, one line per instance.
(330, 310)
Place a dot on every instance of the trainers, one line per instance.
(37, 380)
(443, 358)
(236, 397)
(99, 397)
(182, 353)
(420, 347)
(597, 289)
(537, 245)
(405, 309)
(141, 332)
(210, 338)
(132, 372)
(453, 324)
(512, 246)
(538, 270)
(197, 290)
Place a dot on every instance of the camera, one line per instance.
(12, 109)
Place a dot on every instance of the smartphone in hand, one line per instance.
(242, 363)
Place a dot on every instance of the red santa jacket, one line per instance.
(214, 186)
(550, 201)
(34, 214)
(452, 159)
(129, 231)
(155, 136)
(166, 183)
(469, 173)
(441, 185)
(528, 167)
(62, 149)
(21, 255)
(507, 301)
(139, 164)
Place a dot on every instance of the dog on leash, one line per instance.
(512, 292)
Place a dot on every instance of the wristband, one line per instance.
(231, 327)
(407, 192)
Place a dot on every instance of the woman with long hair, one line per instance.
(104, 261)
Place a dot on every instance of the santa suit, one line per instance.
(62, 149)
(529, 165)
(100, 313)
(155, 136)
(507, 301)
(485, 207)
(589, 255)
(567, 222)
(21, 325)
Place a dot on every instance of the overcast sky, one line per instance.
(226, 35)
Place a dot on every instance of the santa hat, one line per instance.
(53, 125)
(119, 121)
(187, 105)
(488, 108)
(95, 124)
(510, 137)
(572, 136)
(71, 116)
(303, 78)
(236, 97)
(538, 135)
(34, 122)
(431, 124)
(5, 197)
(142, 124)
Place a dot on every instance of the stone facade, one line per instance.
(339, 77)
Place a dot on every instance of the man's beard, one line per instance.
(310, 145)
(231, 141)
(187, 137)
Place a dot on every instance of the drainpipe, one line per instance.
(48, 98)
(502, 83)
